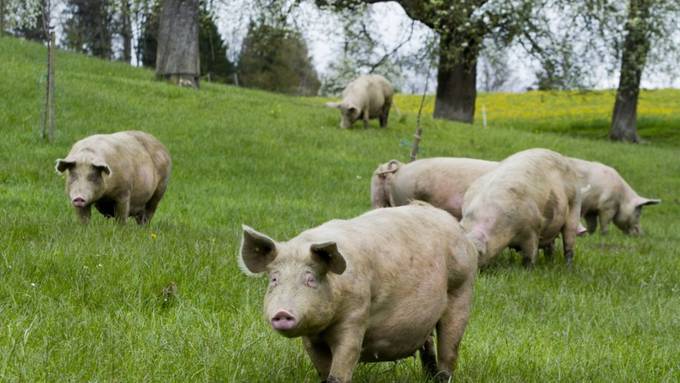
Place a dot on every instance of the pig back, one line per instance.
(440, 181)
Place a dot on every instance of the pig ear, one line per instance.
(257, 251)
(328, 254)
(640, 201)
(63, 164)
(102, 167)
(334, 105)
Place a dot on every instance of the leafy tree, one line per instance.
(89, 27)
(215, 65)
(26, 18)
(462, 27)
(276, 59)
(625, 36)
(644, 24)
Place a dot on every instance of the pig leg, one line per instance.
(385, 114)
(320, 355)
(122, 210)
(428, 358)
(84, 213)
(151, 206)
(529, 250)
(549, 250)
(346, 350)
(591, 222)
(450, 329)
(606, 216)
(569, 233)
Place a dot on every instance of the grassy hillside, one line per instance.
(576, 113)
(88, 304)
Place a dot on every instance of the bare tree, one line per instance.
(177, 56)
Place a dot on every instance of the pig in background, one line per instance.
(122, 174)
(609, 198)
(370, 289)
(440, 181)
(526, 202)
(365, 98)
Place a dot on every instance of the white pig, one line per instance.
(122, 174)
(440, 181)
(609, 198)
(370, 289)
(526, 202)
(366, 97)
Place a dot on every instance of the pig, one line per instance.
(440, 181)
(369, 289)
(526, 202)
(122, 174)
(366, 97)
(609, 198)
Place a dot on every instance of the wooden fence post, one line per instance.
(48, 125)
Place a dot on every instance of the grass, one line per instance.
(88, 304)
(584, 114)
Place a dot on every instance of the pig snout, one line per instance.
(78, 201)
(283, 321)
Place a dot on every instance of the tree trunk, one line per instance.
(2, 17)
(457, 80)
(126, 32)
(177, 57)
(633, 58)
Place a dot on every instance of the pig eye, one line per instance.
(310, 280)
(273, 280)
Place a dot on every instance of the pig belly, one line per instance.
(145, 185)
(401, 332)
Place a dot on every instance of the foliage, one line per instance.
(167, 302)
(89, 27)
(212, 50)
(276, 59)
(215, 66)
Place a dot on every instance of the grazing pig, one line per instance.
(364, 98)
(122, 174)
(440, 181)
(370, 289)
(526, 202)
(609, 198)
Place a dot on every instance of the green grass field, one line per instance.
(87, 304)
(584, 114)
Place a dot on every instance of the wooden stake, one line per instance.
(419, 129)
(49, 123)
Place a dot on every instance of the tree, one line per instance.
(461, 27)
(89, 27)
(276, 59)
(215, 66)
(177, 56)
(126, 30)
(623, 37)
(147, 42)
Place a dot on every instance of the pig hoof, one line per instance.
(332, 379)
(443, 377)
